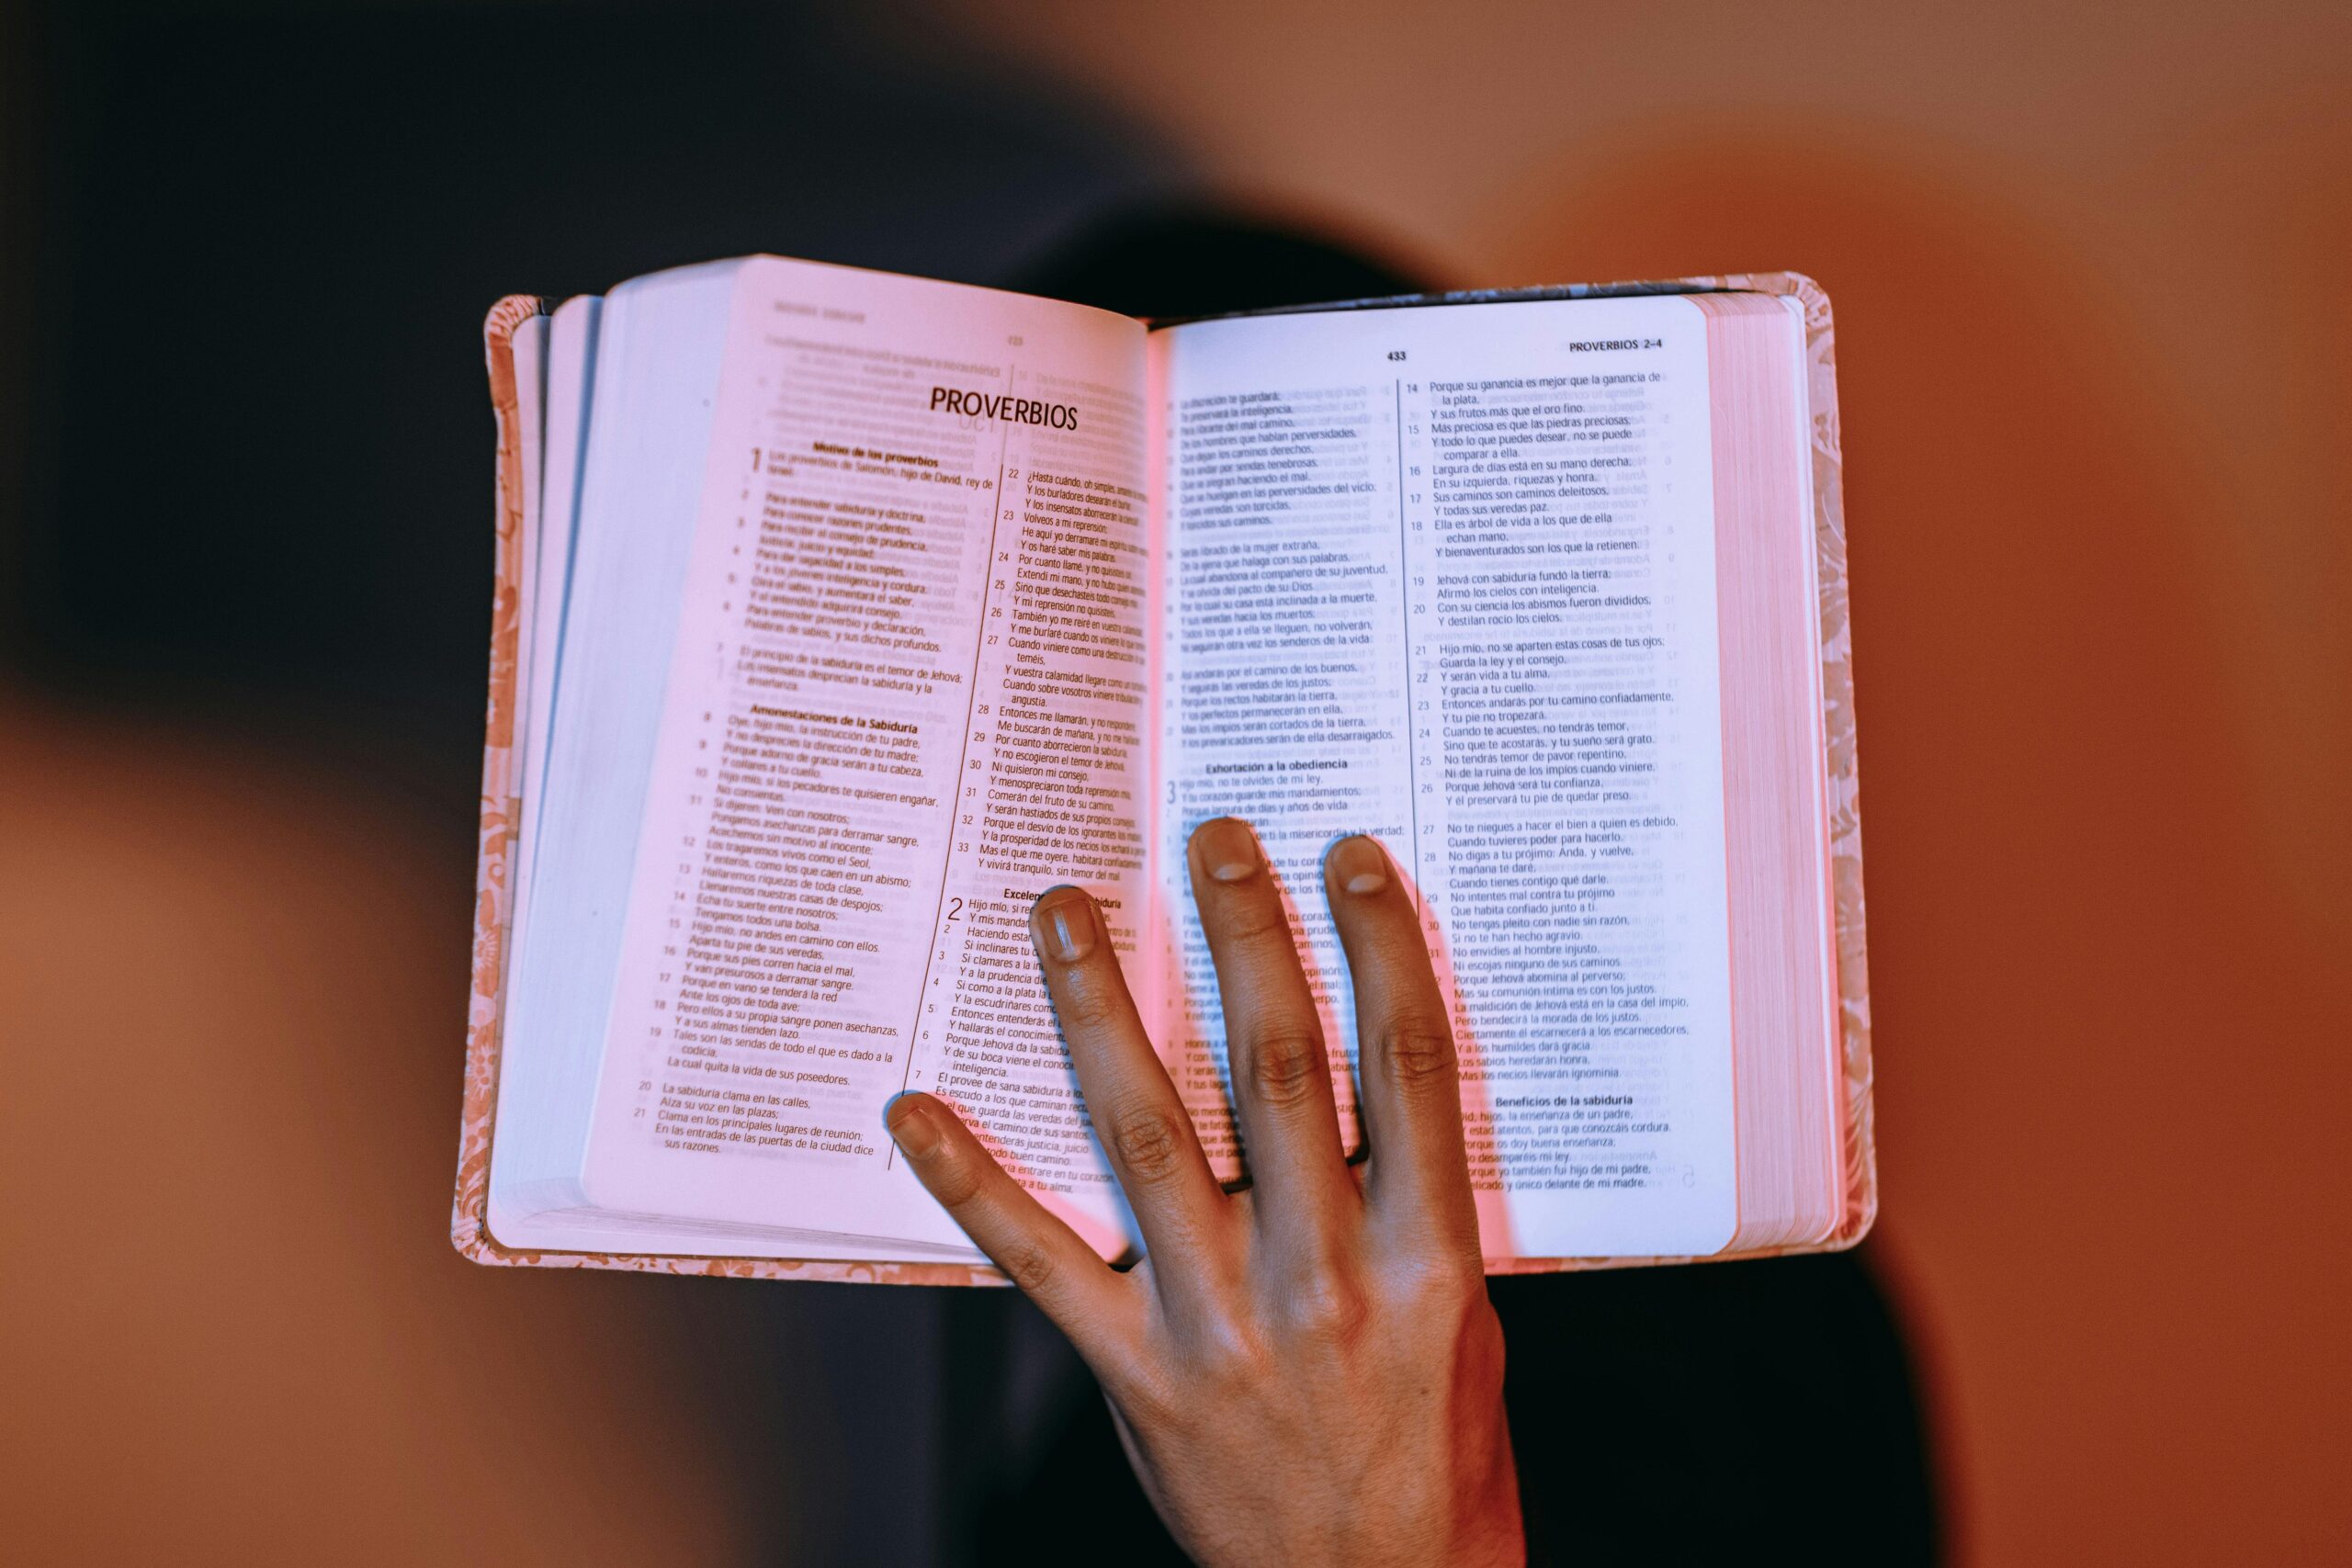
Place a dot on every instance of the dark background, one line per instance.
(257, 453)
(2087, 269)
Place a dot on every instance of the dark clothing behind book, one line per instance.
(1692, 1414)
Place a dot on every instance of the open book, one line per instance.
(842, 613)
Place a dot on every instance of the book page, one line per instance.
(553, 405)
(908, 694)
(1444, 574)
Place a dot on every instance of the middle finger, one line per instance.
(1282, 1076)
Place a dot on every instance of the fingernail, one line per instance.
(1062, 924)
(1359, 865)
(1228, 848)
(913, 1126)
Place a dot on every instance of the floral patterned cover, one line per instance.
(468, 1222)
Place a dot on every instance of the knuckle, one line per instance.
(1418, 1053)
(1226, 1348)
(1436, 1279)
(1287, 1066)
(1328, 1305)
(1148, 1142)
(1029, 1264)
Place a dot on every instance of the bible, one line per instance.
(840, 614)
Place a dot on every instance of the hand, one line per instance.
(1309, 1370)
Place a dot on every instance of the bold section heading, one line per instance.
(993, 405)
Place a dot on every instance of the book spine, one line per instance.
(495, 847)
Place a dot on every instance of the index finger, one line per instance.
(1037, 1251)
(1137, 1114)
(1419, 1170)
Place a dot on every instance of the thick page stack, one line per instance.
(840, 613)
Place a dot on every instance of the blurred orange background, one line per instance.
(2098, 421)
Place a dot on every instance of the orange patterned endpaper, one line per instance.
(469, 1229)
